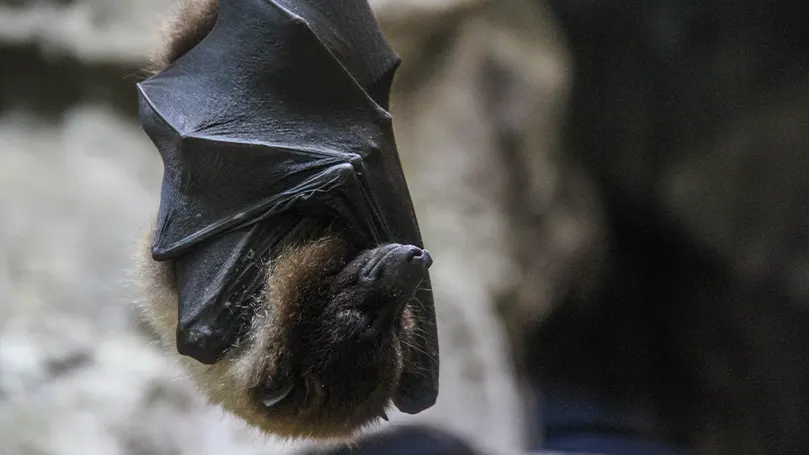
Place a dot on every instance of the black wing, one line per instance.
(279, 113)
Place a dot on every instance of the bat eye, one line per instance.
(373, 325)
(371, 321)
(378, 315)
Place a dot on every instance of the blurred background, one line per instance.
(616, 194)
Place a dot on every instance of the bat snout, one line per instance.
(406, 264)
(420, 257)
(395, 263)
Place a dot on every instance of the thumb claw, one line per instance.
(270, 396)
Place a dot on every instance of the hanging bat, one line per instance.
(286, 265)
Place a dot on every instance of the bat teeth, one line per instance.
(383, 415)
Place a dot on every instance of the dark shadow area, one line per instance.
(697, 333)
(50, 84)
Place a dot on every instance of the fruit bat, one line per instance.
(274, 131)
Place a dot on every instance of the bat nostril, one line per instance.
(420, 256)
(380, 317)
(414, 254)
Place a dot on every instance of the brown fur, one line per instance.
(298, 306)
(298, 333)
(190, 24)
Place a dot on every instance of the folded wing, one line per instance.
(278, 115)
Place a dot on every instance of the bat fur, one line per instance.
(190, 23)
(296, 334)
(294, 329)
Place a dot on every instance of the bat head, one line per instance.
(343, 325)
(324, 354)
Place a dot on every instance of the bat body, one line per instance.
(286, 242)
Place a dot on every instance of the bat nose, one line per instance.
(420, 256)
(396, 258)
(402, 266)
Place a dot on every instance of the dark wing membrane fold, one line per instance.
(350, 31)
(261, 82)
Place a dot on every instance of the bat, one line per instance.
(286, 265)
